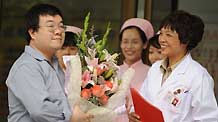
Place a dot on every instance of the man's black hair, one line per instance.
(32, 16)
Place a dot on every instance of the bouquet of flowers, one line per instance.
(93, 77)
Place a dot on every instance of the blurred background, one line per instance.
(104, 11)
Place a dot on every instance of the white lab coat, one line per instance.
(195, 102)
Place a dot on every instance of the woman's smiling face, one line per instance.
(171, 45)
(131, 45)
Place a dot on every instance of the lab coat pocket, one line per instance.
(177, 103)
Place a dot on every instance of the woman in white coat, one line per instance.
(179, 86)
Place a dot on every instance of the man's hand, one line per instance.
(133, 117)
(79, 116)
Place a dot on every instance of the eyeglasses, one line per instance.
(52, 28)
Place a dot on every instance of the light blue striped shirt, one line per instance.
(36, 90)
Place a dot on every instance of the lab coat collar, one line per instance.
(179, 70)
(183, 65)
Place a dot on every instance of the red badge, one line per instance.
(175, 101)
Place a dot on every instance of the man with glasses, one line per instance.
(36, 81)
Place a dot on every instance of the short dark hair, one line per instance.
(186, 25)
(153, 41)
(198, 31)
(70, 39)
(33, 14)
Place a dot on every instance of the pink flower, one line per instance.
(97, 91)
(103, 99)
(115, 87)
(101, 68)
(86, 93)
(85, 78)
(91, 62)
(109, 84)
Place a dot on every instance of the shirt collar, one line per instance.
(34, 53)
(37, 55)
(165, 62)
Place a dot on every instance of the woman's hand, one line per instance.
(79, 116)
(133, 117)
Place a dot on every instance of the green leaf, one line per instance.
(100, 45)
(84, 38)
